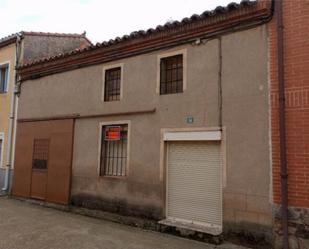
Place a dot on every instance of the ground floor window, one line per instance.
(114, 144)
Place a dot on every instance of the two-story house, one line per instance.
(199, 124)
(169, 124)
(16, 49)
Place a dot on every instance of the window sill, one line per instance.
(109, 101)
(163, 94)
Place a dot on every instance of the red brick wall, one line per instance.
(296, 46)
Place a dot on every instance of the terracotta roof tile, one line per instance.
(8, 39)
(68, 35)
(148, 32)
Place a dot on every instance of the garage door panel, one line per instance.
(194, 182)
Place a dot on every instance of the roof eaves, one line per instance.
(8, 40)
(144, 33)
(171, 30)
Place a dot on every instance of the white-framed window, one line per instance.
(172, 72)
(112, 82)
(1, 148)
(114, 149)
(4, 77)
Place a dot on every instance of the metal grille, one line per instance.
(3, 78)
(171, 74)
(40, 153)
(112, 84)
(114, 153)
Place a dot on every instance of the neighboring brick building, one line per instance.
(296, 75)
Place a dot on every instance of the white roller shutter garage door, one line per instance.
(194, 189)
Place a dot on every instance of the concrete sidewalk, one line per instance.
(27, 226)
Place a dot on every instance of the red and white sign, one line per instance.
(112, 133)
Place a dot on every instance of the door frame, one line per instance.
(190, 134)
(39, 170)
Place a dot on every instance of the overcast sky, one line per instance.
(101, 19)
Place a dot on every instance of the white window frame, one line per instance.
(8, 79)
(2, 149)
(182, 52)
(118, 122)
(111, 66)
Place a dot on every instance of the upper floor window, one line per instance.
(112, 84)
(171, 74)
(4, 74)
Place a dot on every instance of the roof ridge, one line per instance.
(12, 38)
(55, 34)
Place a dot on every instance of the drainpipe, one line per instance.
(220, 82)
(12, 122)
(283, 160)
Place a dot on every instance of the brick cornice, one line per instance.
(169, 35)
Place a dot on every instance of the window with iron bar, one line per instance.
(112, 84)
(40, 153)
(171, 74)
(114, 152)
(4, 74)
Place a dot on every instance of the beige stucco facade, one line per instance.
(7, 56)
(245, 118)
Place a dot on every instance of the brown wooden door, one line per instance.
(43, 160)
